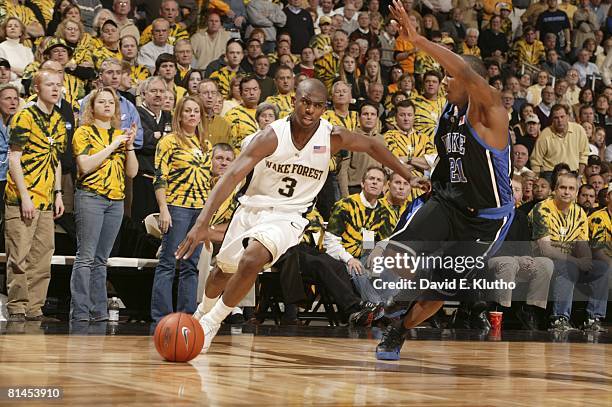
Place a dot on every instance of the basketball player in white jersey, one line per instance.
(284, 167)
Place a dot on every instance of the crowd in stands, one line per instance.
(112, 111)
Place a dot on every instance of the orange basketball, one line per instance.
(178, 337)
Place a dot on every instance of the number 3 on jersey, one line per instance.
(456, 170)
(289, 188)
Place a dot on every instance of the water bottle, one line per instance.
(113, 310)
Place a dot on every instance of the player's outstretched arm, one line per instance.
(262, 146)
(486, 112)
(342, 139)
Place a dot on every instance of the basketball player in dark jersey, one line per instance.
(472, 195)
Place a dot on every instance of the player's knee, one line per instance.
(217, 275)
(251, 264)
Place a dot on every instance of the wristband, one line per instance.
(129, 149)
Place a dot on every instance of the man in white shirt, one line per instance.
(584, 67)
(209, 43)
(149, 52)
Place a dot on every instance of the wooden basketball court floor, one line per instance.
(277, 366)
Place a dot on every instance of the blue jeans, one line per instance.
(183, 220)
(565, 277)
(365, 287)
(98, 220)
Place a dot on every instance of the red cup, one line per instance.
(495, 318)
(495, 334)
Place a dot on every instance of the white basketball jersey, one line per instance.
(289, 178)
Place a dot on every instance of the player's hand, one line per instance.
(27, 208)
(196, 235)
(165, 220)
(58, 207)
(376, 252)
(407, 29)
(420, 182)
(354, 266)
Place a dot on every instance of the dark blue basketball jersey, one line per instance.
(469, 173)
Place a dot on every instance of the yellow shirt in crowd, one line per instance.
(284, 103)
(243, 123)
(42, 138)
(600, 231)
(564, 229)
(183, 170)
(108, 179)
(426, 115)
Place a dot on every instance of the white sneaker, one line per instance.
(198, 314)
(210, 331)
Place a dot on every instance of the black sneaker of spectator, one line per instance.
(369, 312)
(460, 319)
(561, 323)
(593, 325)
(480, 321)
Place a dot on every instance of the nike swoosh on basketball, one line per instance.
(185, 332)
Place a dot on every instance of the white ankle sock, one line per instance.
(208, 303)
(219, 312)
(237, 310)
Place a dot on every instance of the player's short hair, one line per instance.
(476, 64)
(374, 167)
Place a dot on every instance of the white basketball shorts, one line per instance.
(275, 229)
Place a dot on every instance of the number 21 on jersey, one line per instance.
(456, 170)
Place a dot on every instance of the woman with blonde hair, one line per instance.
(348, 73)
(12, 48)
(81, 42)
(182, 182)
(371, 75)
(104, 157)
